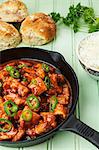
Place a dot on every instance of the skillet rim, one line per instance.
(72, 108)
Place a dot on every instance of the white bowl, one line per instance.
(88, 54)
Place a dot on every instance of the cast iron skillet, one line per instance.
(71, 123)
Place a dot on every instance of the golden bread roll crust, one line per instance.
(38, 29)
(13, 11)
(9, 36)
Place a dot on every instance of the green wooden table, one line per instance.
(65, 43)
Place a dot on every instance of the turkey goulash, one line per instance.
(34, 99)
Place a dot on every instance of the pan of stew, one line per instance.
(38, 96)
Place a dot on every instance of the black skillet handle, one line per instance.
(75, 125)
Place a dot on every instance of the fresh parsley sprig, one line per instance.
(75, 14)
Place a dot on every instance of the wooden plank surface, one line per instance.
(65, 43)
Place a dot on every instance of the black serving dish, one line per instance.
(71, 123)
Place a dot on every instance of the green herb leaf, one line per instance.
(24, 79)
(88, 15)
(55, 16)
(34, 81)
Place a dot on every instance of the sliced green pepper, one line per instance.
(21, 66)
(9, 68)
(45, 67)
(53, 102)
(5, 125)
(10, 108)
(27, 115)
(47, 82)
(33, 102)
(13, 71)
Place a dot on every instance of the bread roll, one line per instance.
(13, 11)
(38, 29)
(9, 36)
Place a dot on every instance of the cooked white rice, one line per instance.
(88, 51)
